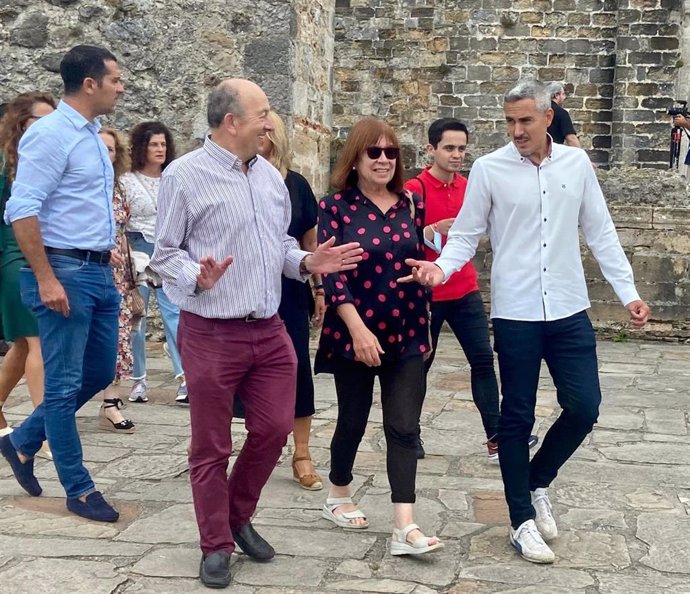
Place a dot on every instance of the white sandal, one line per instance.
(400, 546)
(343, 519)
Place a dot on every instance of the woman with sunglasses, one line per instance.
(374, 327)
(19, 324)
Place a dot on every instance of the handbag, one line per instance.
(138, 305)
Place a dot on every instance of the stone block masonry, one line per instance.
(412, 61)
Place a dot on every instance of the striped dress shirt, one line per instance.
(207, 206)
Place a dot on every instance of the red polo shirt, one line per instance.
(443, 201)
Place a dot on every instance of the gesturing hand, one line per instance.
(211, 271)
(639, 313)
(328, 258)
(423, 272)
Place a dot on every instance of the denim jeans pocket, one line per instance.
(65, 265)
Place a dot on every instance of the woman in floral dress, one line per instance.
(110, 417)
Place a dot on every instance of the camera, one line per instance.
(682, 110)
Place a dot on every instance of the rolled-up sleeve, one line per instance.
(335, 285)
(42, 162)
(170, 260)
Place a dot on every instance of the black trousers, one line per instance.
(467, 319)
(402, 394)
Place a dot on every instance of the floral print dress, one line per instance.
(123, 367)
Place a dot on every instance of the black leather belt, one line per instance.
(83, 255)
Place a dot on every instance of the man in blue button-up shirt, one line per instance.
(61, 212)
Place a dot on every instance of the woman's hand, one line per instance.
(319, 308)
(367, 347)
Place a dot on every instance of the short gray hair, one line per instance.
(554, 88)
(529, 89)
(222, 100)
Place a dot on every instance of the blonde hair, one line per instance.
(280, 149)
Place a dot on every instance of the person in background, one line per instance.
(533, 196)
(561, 128)
(61, 210)
(374, 327)
(295, 298)
(152, 149)
(19, 324)
(110, 417)
(458, 301)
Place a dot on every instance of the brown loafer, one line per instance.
(310, 482)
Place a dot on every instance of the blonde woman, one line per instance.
(110, 417)
(296, 299)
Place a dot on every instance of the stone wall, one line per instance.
(174, 52)
(411, 61)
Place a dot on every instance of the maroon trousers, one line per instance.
(221, 358)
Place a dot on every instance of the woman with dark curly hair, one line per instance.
(19, 324)
(152, 149)
(110, 417)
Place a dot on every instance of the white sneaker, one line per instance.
(546, 524)
(138, 393)
(529, 543)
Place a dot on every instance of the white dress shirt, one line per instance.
(531, 214)
(207, 206)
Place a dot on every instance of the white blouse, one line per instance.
(142, 196)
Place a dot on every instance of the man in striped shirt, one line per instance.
(221, 247)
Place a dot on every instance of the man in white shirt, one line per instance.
(530, 197)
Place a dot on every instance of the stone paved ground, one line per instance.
(622, 502)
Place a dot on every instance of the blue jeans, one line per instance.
(170, 315)
(569, 348)
(79, 359)
(467, 319)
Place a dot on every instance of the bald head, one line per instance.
(238, 116)
(232, 95)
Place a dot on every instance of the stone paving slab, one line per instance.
(622, 502)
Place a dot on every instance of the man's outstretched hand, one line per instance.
(328, 258)
(211, 271)
(423, 272)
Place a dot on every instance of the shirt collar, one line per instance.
(225, 156)
(519, 157)
(437, 183)
(75, 118)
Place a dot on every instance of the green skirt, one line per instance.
(17, 320)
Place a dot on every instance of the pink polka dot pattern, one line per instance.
(395, 313)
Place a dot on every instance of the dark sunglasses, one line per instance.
(391, 152)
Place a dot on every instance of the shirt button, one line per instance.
(545, 220)
(543, 191)
(544, 245)
(544, 269)
(544, 292)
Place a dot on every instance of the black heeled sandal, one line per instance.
(124, 426)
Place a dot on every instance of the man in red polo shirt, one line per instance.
(458, 301)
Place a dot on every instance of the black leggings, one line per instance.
(402, 394)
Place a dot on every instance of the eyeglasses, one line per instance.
(391, 152)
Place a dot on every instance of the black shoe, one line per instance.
(214, 570)
(252, 543)
(23, 471)
(94, 508)
(420, 449)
